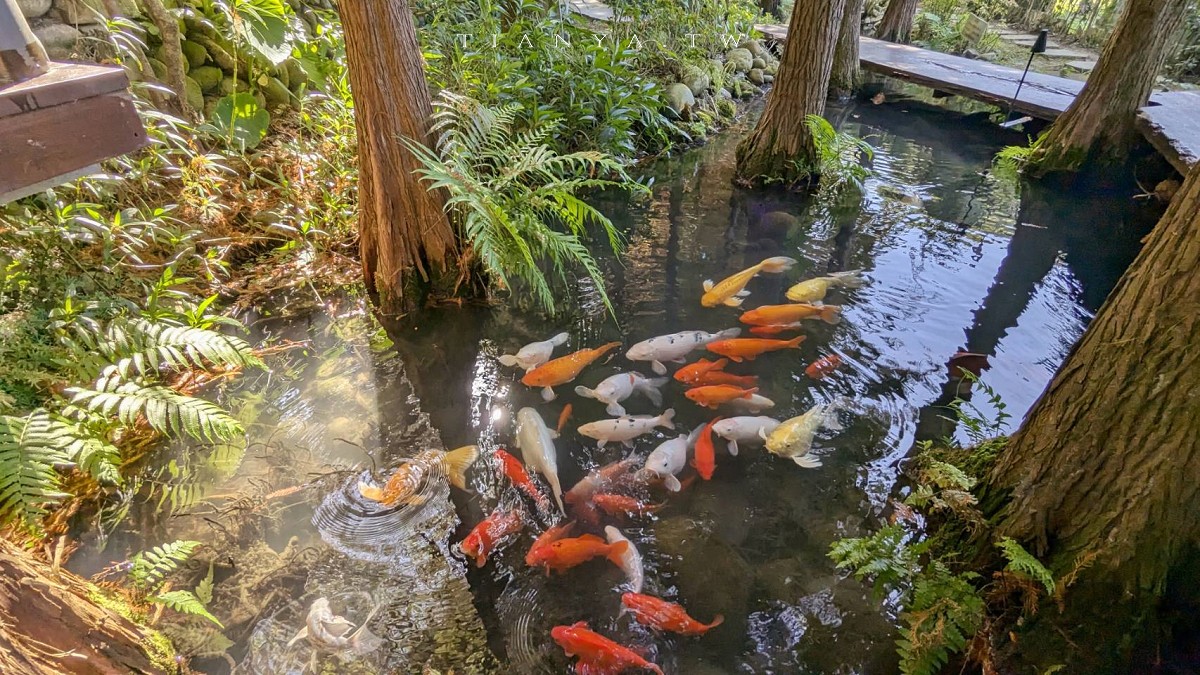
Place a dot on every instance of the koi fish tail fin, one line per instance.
(372, 492)
(651, 389)
(717, 621)
(795, 342)
(585, 392)
(457, 463)
(851, 279)
(807, 461)
(654, 668)
(727, 334)
(829, 418)
(560, 339)
(606, 348)
(831, 314)
(778, 264)
(664, 420)
(616, 550)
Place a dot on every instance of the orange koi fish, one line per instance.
(597, 654)
(775, 328)
(619, 505)
(704, 373)
(730, 291)
(551, 535)
(714, 395)
(564, 369)
(823, 366)
(665, 616)
(563, 554)
(563, 417)
(741, 349)
(705, 457)
(515, 471)
(404, 486)
(483, 540)
(780, 314)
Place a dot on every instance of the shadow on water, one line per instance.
(959, 260)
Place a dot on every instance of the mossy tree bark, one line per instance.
(1099, 125)
(781, 148)
(896, 24)
(847, 74)
(52, 627)
(406, 241)
(1106, 463)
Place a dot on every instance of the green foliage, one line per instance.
(263, 24)
(839, 155)
(511, 193)
(1022, 562)
(185, 602)
(136, 347)
(164, 409)
(239, 118)
(31, 448)
(941, 615)
(886, 557)
(148, 569)
(978, 426)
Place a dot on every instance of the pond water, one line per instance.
(956, 259)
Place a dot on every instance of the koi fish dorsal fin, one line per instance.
(457, 462)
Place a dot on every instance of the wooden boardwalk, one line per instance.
(1171, 121)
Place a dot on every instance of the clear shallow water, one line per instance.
(957, 261)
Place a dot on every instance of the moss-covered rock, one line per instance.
(208, 77)
(193, 53)
(741, 59)
(756, 76)
(680, 98)
(229, 85)
(696, 79)
(193, 93)
(277, 94)
(159, 68)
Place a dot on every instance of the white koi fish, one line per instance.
(793, 438)
(613, 390)
(534, 354)
(675, 347)
(668, 459)
(631, 560)
(625, 429)
(323, 628)
(536, 442)
(743, 430)
(752, 404)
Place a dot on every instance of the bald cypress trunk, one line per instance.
(781, 148)
(1099, 125)
(846, 74)
(406, 241)
(896, 25)
(1105, 465)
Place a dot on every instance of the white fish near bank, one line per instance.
(534, 354)
(631, 560)
(675, 347)
(668, 459)
(793, 438)
(613, 390)
(744, 430)
(536, 442)
(625, 429)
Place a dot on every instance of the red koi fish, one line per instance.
(665, 616)
(705, 458)
(716, 394)
(823, 366)
(483, 540)
(515, 471)
(775, 328)
(692, 372)
(563, 554)
(551, 535)
(563, 417)
(597, 654)
(619, 505)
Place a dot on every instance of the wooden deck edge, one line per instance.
(1164, 145)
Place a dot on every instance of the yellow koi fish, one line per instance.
(405, 485)
(814, 290)
(731, 290)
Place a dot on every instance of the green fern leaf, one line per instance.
(31, 448)
(165, 410)
(185, 602)
(1023, 563)
(148, 568)
(143, 347)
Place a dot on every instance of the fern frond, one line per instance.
(185, 602)
(143, 347)
(1023, 563)
(148, 568)
(165, 410)
(31, 448)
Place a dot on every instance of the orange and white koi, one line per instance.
(618, 505)
(564, 369)
(743, 349)
(731, 290)
(713, 395)
(665, 616)
(515, 471)
(490, 533)
(405, 484)
(534, 354)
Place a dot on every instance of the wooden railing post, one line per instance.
(21, 54)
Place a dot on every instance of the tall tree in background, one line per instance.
(781, 147)
(1106, 465)
(897, 21)
(405, 238)
(1099, 125)
(846, 74)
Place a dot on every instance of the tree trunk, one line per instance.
(51, 627)
(897, 21)
(1099, 124)
(405, 238)
(1105, 464)
(781, 148)
(846, 74)
(172, 53)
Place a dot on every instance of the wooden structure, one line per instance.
(57, 120)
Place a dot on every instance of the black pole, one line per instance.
(1039, 46)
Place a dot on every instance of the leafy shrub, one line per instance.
(839, 156)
